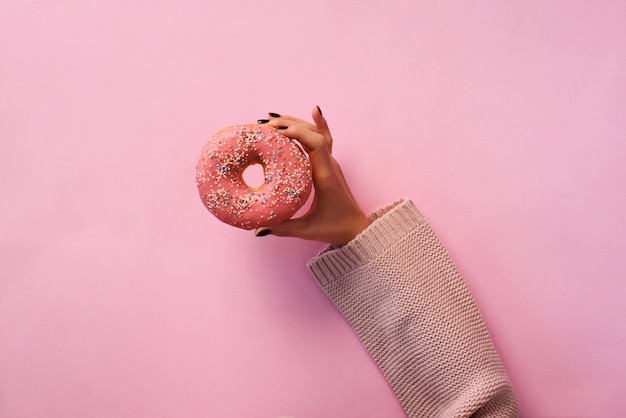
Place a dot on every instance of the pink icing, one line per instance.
(287, 176)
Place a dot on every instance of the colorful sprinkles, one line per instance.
(287, 174)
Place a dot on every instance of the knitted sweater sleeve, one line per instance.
(398, 288)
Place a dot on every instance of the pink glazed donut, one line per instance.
(219, 176)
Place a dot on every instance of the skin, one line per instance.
(334, 217)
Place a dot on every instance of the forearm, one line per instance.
(405, 299)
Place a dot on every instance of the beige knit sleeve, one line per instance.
(404, 297)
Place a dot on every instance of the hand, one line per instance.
(334, 217)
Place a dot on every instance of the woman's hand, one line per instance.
(334, 216)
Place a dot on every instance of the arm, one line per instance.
(394, 282)
(398, 288)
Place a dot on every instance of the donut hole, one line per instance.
(254, 175)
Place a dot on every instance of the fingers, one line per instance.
(315, 140)
(316, 146)
(285, 123)
(274, 116)
(310, 140)
(322, 127)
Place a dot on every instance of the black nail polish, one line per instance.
(263, 232)
(274, 115)
(262, 121)
(320, 110)
(281, 128)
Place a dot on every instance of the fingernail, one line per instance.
(281, 128)
(263, 232)
(262, 121)
(274, 115)
(320, 110)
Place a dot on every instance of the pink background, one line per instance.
(121, 296)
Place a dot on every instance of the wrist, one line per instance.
(358, 225)
(362, 225)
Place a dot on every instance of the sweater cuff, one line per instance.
(389, 225)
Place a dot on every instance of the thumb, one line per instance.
(298, 228)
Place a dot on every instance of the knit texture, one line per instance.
(398, 288)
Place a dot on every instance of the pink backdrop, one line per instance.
(121, 296)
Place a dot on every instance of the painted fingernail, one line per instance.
(274, 115)
(320, 110)
(281, 128)
(262, 121)
(263, 232)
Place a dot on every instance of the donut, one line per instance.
(219, 176)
